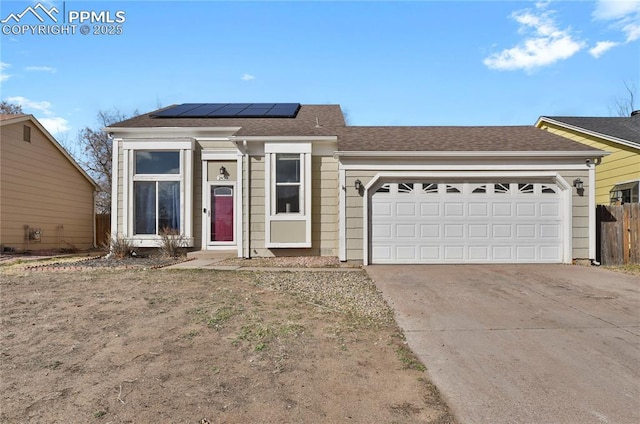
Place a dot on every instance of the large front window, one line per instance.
(156, 192)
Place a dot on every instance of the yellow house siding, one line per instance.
(40, 188)
(623, 164)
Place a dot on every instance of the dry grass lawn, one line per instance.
(183, 346)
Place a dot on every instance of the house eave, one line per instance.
(124, 132)
(612, 139)
(584, 154)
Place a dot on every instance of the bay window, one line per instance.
(288, 195)
(158, 196)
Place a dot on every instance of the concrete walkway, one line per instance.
(523, 344)
(214, 261)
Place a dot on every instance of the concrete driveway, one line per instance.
(523, 343)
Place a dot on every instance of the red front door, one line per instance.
(221, 213)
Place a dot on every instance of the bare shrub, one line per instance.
(120, 247)
(172, 244)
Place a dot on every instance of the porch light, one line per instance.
(578, 184)
(358, 185)
(223, 170)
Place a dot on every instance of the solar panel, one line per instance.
(230, 110)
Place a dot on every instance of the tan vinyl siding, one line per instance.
(580, 214)
(622, 165)
(324, 209)
(355, 221)
(41, 188)
(354, 211)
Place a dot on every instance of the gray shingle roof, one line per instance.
(624, 128)
(409, 139)
(329, 118)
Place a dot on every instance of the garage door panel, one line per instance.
(430, 253)
(551, 210)
(478, 209)
(525, 231)
(381, 231)
(502, 209)
(430, 231)
(549, 253)
(526, 253)
(381, 208)
(406, 253)
(502, 231)
(471, 224)
(478, 231)
(454, 231)
(430, 209)
(406, 230)
(453, 209)
(549, 231)
(478, 253)
(405, 209)
(453, 253)
(525, 209)
(502, 253)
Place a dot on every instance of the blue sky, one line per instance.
(385, 63)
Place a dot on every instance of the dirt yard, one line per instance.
(161, 346)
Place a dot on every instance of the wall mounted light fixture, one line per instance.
(223, 170)
(578, 184)
(358, 185)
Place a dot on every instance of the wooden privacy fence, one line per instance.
(618, 234)
(103, 229)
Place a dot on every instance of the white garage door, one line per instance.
(423, 222)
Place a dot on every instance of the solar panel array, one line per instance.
(230, 110)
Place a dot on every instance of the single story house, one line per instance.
(289, 179)
(618, 176)
(46, 198)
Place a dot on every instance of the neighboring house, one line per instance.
(46, 199)
(286, 179)
(618, 177)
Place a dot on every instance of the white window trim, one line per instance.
(185, 148)
(304, 149)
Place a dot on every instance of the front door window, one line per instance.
(221, 213)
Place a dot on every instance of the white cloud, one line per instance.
(3, 76)
(608, 9)
(544, 44)
(601, 47)
(55, 125)
(44, 106)
(623, 15)
(247, 77)
(41, 69)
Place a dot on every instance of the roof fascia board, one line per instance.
(124, 132)
(288, 138)
(475, 154)
(586, 131)
(53, 141)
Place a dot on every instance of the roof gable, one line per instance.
(18, 118)
(623, 130)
